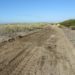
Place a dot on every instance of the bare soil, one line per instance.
(44, 52)
(70, 34)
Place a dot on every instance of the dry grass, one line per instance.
(13, 28)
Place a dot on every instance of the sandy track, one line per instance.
(70, 34)
(40, 53)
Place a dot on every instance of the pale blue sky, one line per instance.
(36, 10)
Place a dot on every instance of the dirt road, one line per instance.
(70, 34)
(40, 53)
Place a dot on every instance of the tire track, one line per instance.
(21, 66)
(16, 57)
(15, 61)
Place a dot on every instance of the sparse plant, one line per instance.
(14, 28)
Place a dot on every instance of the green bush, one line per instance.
(68, 23)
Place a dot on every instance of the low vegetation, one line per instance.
(69, 23)
(13, 28)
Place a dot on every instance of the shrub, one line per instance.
(68, 23)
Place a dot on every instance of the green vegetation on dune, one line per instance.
(68, 23)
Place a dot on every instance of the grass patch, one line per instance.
(14, 28)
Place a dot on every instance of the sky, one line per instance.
(12, 11)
